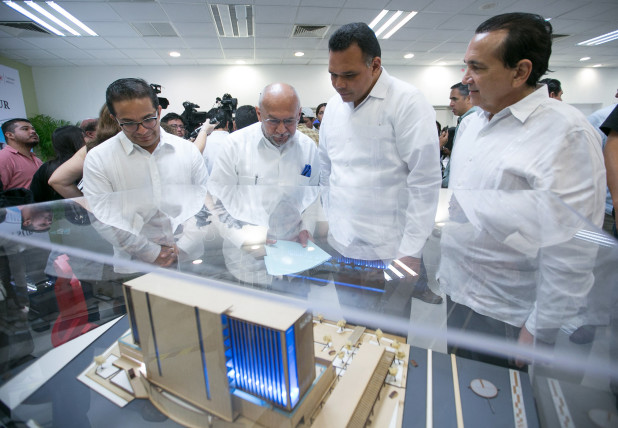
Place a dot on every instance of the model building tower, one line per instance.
(204, 344)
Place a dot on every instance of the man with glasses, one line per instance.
(175, 122)
(270, 151)
(141, 156)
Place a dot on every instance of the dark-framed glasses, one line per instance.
(148, 123)
(274, 123)
(177, 126)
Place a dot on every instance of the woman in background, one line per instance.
(66, 177)
(319, 114)
(66, 140)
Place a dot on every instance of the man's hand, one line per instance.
(303, 237)
(443, 138)
(527, 339)
(167, 256)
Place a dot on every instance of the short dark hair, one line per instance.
(11, 124)
(317, 109)
(129, 89)
(359, 33)
(529, 37)
(245, 116)
(463, 89)
(172, 116)
(553, 85)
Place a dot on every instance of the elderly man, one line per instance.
(508, 145)
(17, 162)
(270, 151)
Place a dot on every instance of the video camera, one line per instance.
(222, 112)
(193, 119)
(163, 102)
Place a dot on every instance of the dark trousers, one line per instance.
(461, 317)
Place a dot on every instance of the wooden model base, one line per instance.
(360, 380)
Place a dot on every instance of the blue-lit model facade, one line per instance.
(211, 349)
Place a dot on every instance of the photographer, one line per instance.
(176, 123)
(216, 141)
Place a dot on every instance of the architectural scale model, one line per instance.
(200, 353)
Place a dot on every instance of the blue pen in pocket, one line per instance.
(306, 172)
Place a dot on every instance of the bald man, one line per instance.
(270, 151)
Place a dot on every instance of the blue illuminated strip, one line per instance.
(199, 335)
(378, 264)
(292, 371)
(256, 361)
(345, 284)
(154, 336)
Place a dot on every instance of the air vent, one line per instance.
(233, 20)
(154, 29)
(316, 31)
(25, 26)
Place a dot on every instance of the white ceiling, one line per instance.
(439, 33)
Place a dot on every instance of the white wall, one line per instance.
(79, 92)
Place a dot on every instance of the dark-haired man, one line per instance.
(460, 106)
(17, 162)
(554, 87)
(508, 145)
(141, 155)
(245, 116)
(379, 132)
(174, 121)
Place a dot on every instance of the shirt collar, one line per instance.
(129, 146)
(17, 152)
(522, 109)
(380, 89)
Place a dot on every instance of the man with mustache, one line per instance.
(17, 162)
(270, 151)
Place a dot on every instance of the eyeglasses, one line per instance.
(148, 123)
(177, 126)
(274, 123)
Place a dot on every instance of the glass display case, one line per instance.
(301, 306)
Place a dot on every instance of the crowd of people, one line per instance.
(376, 132)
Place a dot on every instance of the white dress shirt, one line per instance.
(138, 223)
(215, 141)
(388, 141)
(249, 158)
(117, 164)
(507, 256)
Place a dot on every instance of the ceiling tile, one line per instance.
(188, 13)
(274, 15)
(140, 11)
(92, 11)
(192, 29)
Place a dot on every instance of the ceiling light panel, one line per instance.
(52, 17)
(388, 22)
(233, 20)
(601, 39)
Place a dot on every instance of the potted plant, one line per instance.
(45, 126)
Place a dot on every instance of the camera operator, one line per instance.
(216, 140)
(176, 123)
